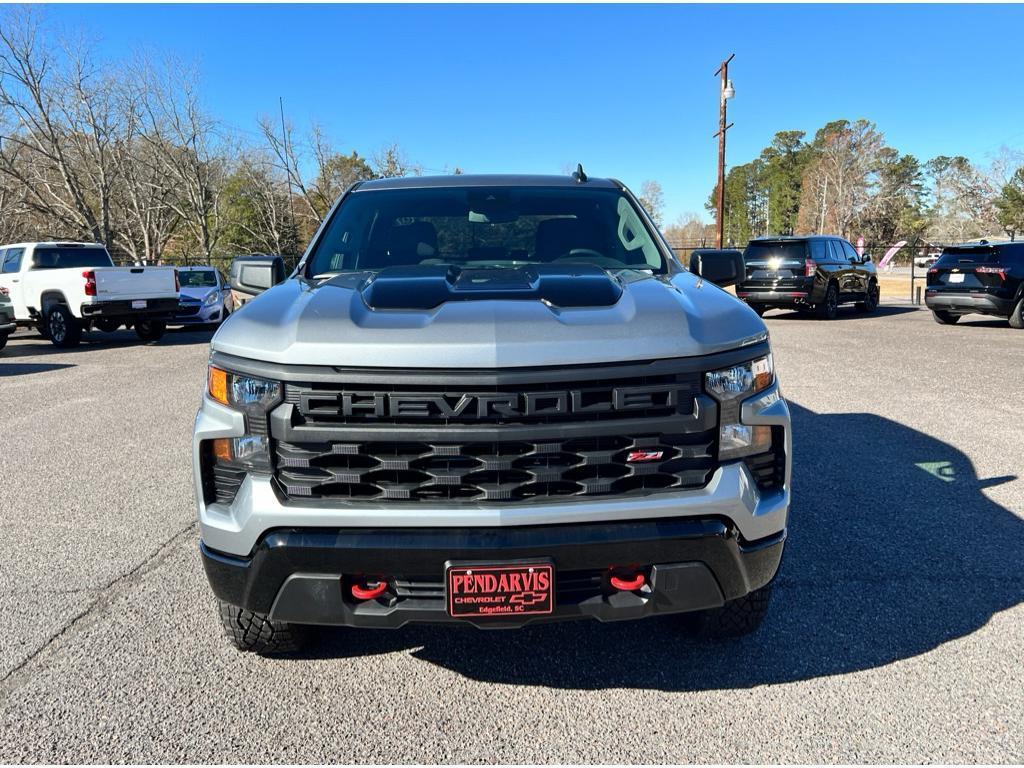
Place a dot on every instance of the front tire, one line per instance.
(870, 303)
(63, 328)
(945, 318)
(255, 633)
(1016, 317)
(737, 617)
(150, 330)
(3, 340)
(829, 307)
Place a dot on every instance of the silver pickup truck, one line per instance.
(495, 400)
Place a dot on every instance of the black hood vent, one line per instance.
(427, 287)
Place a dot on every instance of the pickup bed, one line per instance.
(64, 289)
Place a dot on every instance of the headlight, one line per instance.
(729, 386)
(250, 394)
(211, 299)
(254, 397)
(741, 380)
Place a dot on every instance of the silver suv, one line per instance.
(495, 400)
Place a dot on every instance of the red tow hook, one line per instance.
(371, 591)
(628, 585)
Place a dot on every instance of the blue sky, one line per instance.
(627, 90)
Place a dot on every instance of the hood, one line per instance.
(199, 292)
(348, 321)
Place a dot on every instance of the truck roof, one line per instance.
(484, 180)
(64, 243)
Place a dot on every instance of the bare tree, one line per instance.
(390, 162)
(56, 120)
(653, 200)
(187, 147)
(837, 184)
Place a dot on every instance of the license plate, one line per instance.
(139, 304)
(508, 589)
(956, 277)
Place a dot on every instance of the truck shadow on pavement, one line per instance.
(893, 551)
(846, 312)
(28, 343)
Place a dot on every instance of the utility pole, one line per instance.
(726, 93)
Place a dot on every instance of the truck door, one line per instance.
(10, 278)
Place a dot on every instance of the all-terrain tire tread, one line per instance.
(738, 617)
(250, 631)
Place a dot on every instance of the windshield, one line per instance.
(63, 257)
(485, 227)
(197, 278)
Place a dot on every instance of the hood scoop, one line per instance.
(429, 286)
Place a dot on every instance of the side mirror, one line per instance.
(722, 268)
(865, 258)
(254, 278)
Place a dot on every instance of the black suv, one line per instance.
(986, 278)
(815, 273)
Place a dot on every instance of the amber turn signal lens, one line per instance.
(222, 449)
(218, 385)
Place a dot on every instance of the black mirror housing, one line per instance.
(254, 274)
(723, 268)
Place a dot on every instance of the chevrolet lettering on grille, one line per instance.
(469, 406)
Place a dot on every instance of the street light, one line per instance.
(726, 92)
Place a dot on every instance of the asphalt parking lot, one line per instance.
(896, 633)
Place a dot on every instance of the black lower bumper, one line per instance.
(780, 294)
(155, 309)
(968, 303)
(7, 326)
(305, 575)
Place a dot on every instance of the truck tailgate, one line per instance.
(135, 283)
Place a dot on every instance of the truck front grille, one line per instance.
(495, 471)
(495, 436)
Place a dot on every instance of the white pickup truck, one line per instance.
(64, 289)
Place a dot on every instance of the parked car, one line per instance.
(491, 400)
(242, 276)
(7, 324)
(927, 261)
(984, 278)
(204, 298)
(66, 288)
(817, 274)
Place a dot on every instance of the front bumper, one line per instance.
(192, 314)
(968, 303)
(303, 575)
(155, 309)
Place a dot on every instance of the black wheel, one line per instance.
(870, 303)
(945, 318)
(1017, 316)
(829, 307)
(44, 332)
(150, 330)
(64, 329)
(108, 326)
(737, 617)
(3, 340)
(250, 631)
